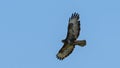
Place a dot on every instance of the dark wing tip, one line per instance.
(75, 15)
(59, 57)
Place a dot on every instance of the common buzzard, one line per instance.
(71, 40)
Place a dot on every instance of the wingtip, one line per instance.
(75, 15)
(57, 56)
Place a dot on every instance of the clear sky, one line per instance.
(31, 32)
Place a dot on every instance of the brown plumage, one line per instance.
(71, 40)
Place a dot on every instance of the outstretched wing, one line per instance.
(65, 51)
(73, 28)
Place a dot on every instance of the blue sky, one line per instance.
(31, 32)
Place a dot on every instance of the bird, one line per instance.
(71, 41)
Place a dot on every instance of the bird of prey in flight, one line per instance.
(71, 39)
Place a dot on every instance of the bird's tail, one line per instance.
(80, 42)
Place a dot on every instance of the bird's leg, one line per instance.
(80, 42)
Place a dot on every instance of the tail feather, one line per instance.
(80, 42)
